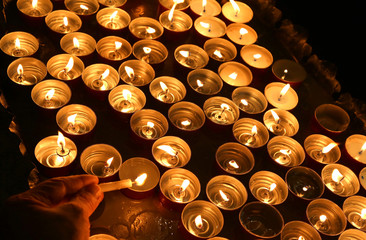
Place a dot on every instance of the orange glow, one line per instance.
(337, 176)
(150, 30)
(186, 122)
(233, 75)
(150, 124)
(218, 54)
(184, 53)
(198, 222)
(199, 83)
(244, 102)
(275, 116)
(284, 90)
(184, 185)
(168, 149)
(243, 31)
(235, 6)
(205, 25)
(105, 74)
(140, 180)
(254, 130)
(329, 147)
(233, 164)
(75, 41)
(84, 7)
(20, 70)
(146, 50)
(272, 187)
(49, 94)
(127, 95)
(61, 140)
(163, 86)
(34, 3)
(17, 43)
(224, 196)
(66, 22)
(117, 45)
(109, 162)
(257, 56)
(71, 118)
(113, 16)
(69, 65)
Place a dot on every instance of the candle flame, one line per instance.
(76, 42)
(235, 6)
(329, 147)
(140, 180)
(205, 25)
(224, 106)
(105, 74)
(272, 187)
(49, 94)
(284, 90)
(244, 102)
(199, 83)
(17, 43)
(20, 70)
(204, 3)
(150, 124)
(146, 50)
(301, 238)
(275, 116)
(285, 151)
(170, 15)
(150, 30)
(363, 148)
(69, 65)
(257, 56)
(113, 16)
(66, 22)
(118, 45)
(168, 149)
(233, 164)
(34, 3)
(184, 185)
(163, 86)
(337, 176)
(233, 76)
(218, 53)
(84, 7)
(130, 72)
(109, 162)
(198, 222)
(127, 95)
(243, 31)
(61, 140)
(363, 214)
(71, 118)
(254, 130)
(224, 196)
(184, 53)
(322, 218)
(186, 122)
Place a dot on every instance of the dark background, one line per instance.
(336, 33)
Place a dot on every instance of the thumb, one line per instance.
(88, 198)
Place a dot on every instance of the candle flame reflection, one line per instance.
(337, 176)
(257, 56)
(140, 180)
(198, 222)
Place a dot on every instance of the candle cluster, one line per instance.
(212, 68)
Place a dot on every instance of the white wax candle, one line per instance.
(355, 146)
(211, 8)
(211, 27)
(241, 34)
(241, 15)
(256, 56)
(117, 185)
(287, 101)
(235, 74)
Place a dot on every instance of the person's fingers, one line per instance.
(55, 190)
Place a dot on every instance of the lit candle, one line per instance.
(220, 49)
(78, 43)
(281, 122)
(35, 8)
(322, 224)
(286, 151)
(210, 27)
(147, 52)
(113, 18)
(19, 44)
(149, 124)
(148, 130)
(48, 97)
(100, 77)
(176, 21)
(62, 21)
(205, 7)
(146, 28)
(250, 132)
(126, 183)
(354, 208)
(256, 56)
(238, 12)
(241, 34)
(191, 56)
(235, 74)
(221, 110)
(355, 146)
(186, 116)
(126, 99)
(20, 72)
(64, 74)
(80, 7)
(281, 95)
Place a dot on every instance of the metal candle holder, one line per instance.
(281, 122)
(241, 34)
(191, 56)
(204, 81)
(235, 74)
(62, 21)
(51, 94)
(78, 44)
(40, 9)
(19, 44)
(127, 99)
(249, 100)
(186, 116)
(146, 28)
(354, 208)
(220, 49)
(149, 124)
(114, 48)
(286, 151)
(100, 77)
(299, 230)
(82, 7)
(322, 149)
(250, 132)
(27, 71)
(113, 18)
(150, 51)
(136, 72)
(65, 67)
(167, 89)
(221, 110)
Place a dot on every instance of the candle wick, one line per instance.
(360, 152)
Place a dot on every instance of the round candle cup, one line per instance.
(113, 3)
(82, 7)
(326, 217)
(256, 56)
(340, 180)
(212, 8)
(268, 187)
(288, 71)
(114, 48)
(167, 89)
(51, 94)
(237, 12)
(281, 122)
(38, 8)
(168, 4)
(261, 220)
(52, 152)
(210, 27)
(100, 77)
(234, 158)
(362, 178)
(62, 21)
(304, 183)
(136, 72)
(332, 118)
(186, 116)
(78, 44)
(102, 237)
(286, 151)
(150, 51)
(135, 167)
(226, 192)
(27, 71)
(204, 81)
(146, 28)
(355, 147)
(126, 98)
(221, 110)
(281, 96)
(149, 124)
(76, 119)
(65, 67)
(179, 185)
(355, 210)
(101, 160)
(322, 149)
(113, 18)
(19, 44)
(171, 151)
(220, 49)
(249, 100)
(250, 132)
(353, 234)
(235, 74)
(191, 56)
(299, 230)
(179, 22)
(241, 34)
(202, 219)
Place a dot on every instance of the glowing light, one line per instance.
(83, 7)
(275, 116)
(224, 106)
(127, 95)
(337, 176)
(199, 83)
(75, 41)
(20, 70)
(105, 74)
(363, 214)
(71, 118)
(272, 187)
(140, 180)
(108, 162)
(218, 54)
(146, 50)
(168, 149)
(243, 31)
(198, 222)
(322, 218)
(205, 25)
(118, 45)
(233, 164)
(184, 185)
(244, 102)
(235, 6)
(224, 196)
(163, 86)
(284, 90)
(49, 94)
(233, 75)
(69, 65)
(329, 147)
(184, 53)
(363, 148)
(113, 16)
(150, 124)
(257, 56)
(186, 122)
(150, 30)
(130, 72)
(61, 140)
(254, 130)
(34, 3)
(66, 22)
(17, 43)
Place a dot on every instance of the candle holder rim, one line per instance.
(96, 2)
(28, 36)
(175, 12)
(242, 66)
(54, 81)
(338, 108)
(288, 139)
(156, 22)
(293, 63)
(43, 15)
(307, 225)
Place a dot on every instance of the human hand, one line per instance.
(56, 209)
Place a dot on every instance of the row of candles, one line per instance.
(178, 185)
